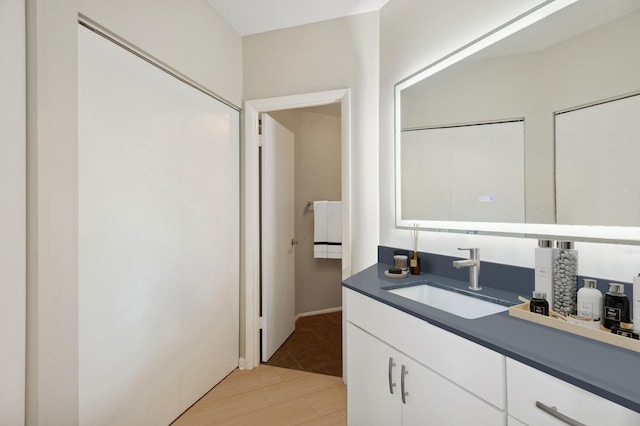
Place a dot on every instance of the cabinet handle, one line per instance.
(391, 384)
(553, 411)
(403, 373)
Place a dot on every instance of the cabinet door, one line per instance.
(432, 399)
(369, 399)
(512, 421)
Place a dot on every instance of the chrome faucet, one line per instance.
(473, 263)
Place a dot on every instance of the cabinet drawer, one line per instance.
(479, 370)
(528, 386)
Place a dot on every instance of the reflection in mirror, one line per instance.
(583, 54)
(597, 155)
(458, 175)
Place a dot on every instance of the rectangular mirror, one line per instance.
(563, 62)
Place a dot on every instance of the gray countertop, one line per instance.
(608, 371)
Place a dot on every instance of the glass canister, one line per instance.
(565, 280)
(401, 261)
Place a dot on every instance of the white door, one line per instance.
(158, 238)
(278, 224)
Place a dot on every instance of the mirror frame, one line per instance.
(603, 234)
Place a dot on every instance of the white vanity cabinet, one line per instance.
(512, 421)
(446, 380)
(536, 398)
(386, 387)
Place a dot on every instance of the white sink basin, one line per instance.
(455, 303)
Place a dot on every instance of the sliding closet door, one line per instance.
(159, 239)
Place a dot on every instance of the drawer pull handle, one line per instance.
(391, 384)
(403, 373)
(553, 411)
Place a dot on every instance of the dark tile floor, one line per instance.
(314, 346)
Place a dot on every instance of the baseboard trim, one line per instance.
(321, 311)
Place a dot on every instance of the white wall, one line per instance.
(413, 34)
(52, 196)
(13, 211)
(191, 37)
(336, 54)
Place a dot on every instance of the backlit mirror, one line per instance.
(538, 128)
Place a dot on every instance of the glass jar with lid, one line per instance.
(565, 277)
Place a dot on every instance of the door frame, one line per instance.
(250, 212)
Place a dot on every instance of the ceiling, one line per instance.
(257, 16)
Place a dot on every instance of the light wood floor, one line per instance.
(271, 396)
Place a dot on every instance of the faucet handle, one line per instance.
(473, 252)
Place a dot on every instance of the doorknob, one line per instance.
(294, 242)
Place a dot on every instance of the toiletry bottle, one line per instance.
(539, 304)
(589, 300)
(543, 257)
(615, 307)
(414, 262)
(625, 330)
(636, 303)
(565, 279)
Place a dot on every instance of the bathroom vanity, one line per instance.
(472, 157)
(409, 363)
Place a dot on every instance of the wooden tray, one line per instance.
(602, 334)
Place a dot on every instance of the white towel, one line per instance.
(327, 230)
(320, 229)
